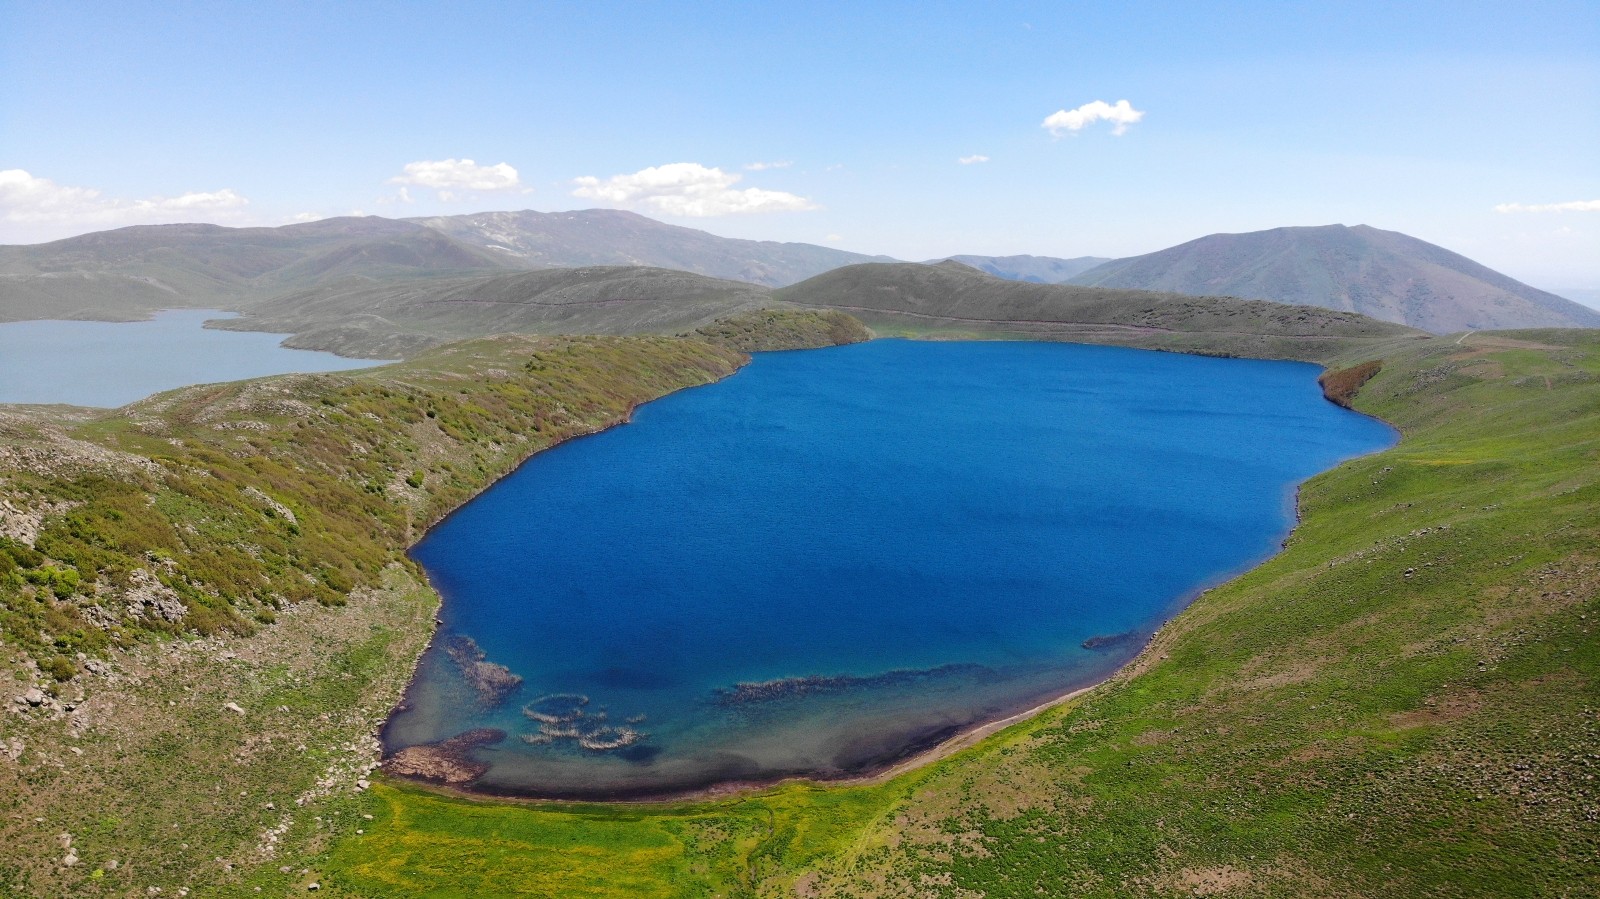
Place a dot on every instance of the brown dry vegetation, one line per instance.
(1341, 386)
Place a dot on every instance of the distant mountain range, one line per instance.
(348, 273)
(612, 237)
(130, 272)
(1384, 274)
(1038, 269)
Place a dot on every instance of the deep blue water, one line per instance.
(114, 363)
(910, 537)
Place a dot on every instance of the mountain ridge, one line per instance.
(618, 237)
(1384, 274)
(1038, 269)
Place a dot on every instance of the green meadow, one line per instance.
(1403, 702)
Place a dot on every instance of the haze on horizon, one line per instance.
(908, 130)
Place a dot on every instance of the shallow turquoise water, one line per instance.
(883, 543)
(112, 364)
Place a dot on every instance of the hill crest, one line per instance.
(1383, 274)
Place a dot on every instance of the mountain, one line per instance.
(531, 239)
(129, 272)
(1038, 269)
(358, 317)
(1587, 296)
(955, 298)
(1384, 274)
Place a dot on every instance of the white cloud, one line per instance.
(454, 175)
(834, 238)
(974, 159)
(301, 218)
(763, 166)
(1064, 120)
(28, 199)
(1570, 206)
(687, 189)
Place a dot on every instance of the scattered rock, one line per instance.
(34, 697)
(147, 597)
(449, 761)
(233, 707)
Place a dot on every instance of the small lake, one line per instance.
(838, 557)
(111, 364)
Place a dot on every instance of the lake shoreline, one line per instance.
(626, 417)
(916, 755)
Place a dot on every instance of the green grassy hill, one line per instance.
(1402, 703)
(952, 299)
(1038, 269)
(365, 319)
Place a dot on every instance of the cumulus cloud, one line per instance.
(687, 189)
(1570, 206)
(26, 199)
(451, 176)
(1121, 115)
(763, 166)
(974, 159)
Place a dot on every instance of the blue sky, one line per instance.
(1417, 117)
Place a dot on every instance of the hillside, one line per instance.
(589, 237)
(1038, 269)
(1383, 274)
(955, 299)
(1400, 703)
(130, 272)
(361, 318)
(127, 273)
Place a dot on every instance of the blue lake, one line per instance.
(838, 557)
(114, 363)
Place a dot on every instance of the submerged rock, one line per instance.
(1111, 641)
(564, 716)
(449, 761)
(749, 692)
(493, 682)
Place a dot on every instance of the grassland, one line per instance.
(952, 301)
(1401, 703)
(205, 606)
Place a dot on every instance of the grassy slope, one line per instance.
(237, 505)
(1401, 703)
(365, 318)
(951, 300)
(1274, 710)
